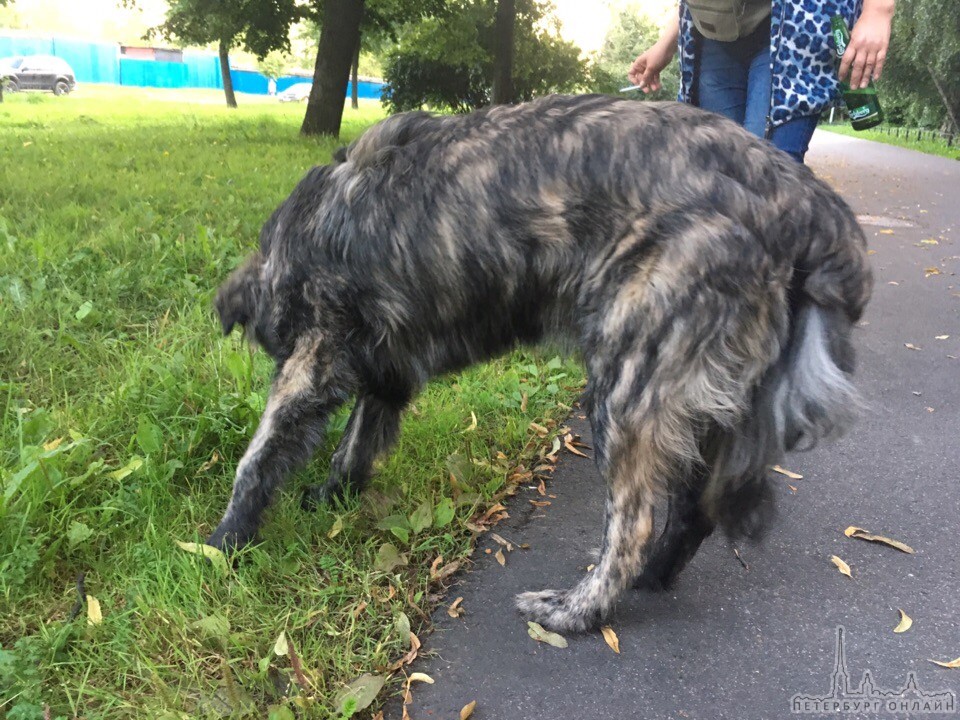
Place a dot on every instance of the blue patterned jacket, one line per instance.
(801, 56)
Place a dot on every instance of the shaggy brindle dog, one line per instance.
(709, 281)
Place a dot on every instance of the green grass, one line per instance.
(926, 145)
(123, 413)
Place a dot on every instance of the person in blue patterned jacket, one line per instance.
(768, 64)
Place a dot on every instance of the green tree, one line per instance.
(259, 26)
(504, 47)
(273, 64)
(921, 82)
(345, 26)
(447, 61)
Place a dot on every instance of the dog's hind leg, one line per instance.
(372, 429)
(291, 427)
(686, 528)
(631, 469)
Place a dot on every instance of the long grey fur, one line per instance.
(709, 282)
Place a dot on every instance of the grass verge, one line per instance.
(931, 147)
(122, 415)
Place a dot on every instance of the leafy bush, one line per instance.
(446, 62)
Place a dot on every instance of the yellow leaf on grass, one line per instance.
(214, 555)
(841, 566)
(861, 534)
(336, 529)
(94, 614)
(467, 710)
(473, 422)
(611, 637)
(53, 444)
(953, 664)
(905, 622)
(281, 647)
(789, 473)
(538, 633)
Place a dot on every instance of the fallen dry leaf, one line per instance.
(841, 566)
(214, 555)
(502, 541)
(455, 610)
(953, 664)
(538, 633)
(281, 647)
(473, 422)
(861, 534)
(611, 637)
(788, 473)
(927, 272)
(570, 448)
(886, 231)
(420, 677)
(911, 346)
(523, 405)
(539, 429)
(94, 614)
(929, 241)
(467, 710)
(893, 282)
(214, 459)
(943, 337)
(540, 503)
(501, 558)
(905, 622)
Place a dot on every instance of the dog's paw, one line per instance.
(228, 538)
(556, 610)
(314, 497)
(653, 582)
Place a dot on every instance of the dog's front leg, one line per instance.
(372, 429)
(291, 427)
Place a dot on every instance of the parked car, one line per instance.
(37, 72)
(296, 93)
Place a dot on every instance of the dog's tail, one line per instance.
(807, 394)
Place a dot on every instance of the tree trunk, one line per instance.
(354, 79)
(946, 101)
(225, 75)
(503, 50)
(338, 41)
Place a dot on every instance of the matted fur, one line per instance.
(709, 281)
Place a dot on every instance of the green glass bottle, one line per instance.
(863, 105)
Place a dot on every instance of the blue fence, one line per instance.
(102, 63)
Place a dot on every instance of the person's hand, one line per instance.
(867, 51)
(646, 69)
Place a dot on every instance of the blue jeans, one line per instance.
(734, 81)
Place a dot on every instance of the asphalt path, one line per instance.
(740, 640)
